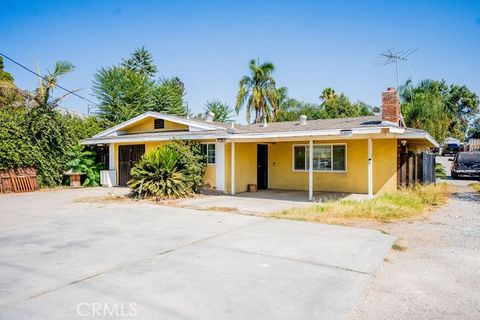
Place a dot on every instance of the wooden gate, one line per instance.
(128, 157)
(415, 168)
(18, 180)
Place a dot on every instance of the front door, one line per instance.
(262, 166)
(128, 157)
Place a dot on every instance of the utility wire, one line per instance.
(44, 78)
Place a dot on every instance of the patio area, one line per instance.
(264, 201)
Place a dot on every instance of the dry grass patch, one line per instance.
(385, 207)
(475, 186)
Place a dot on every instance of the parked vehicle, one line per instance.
(450, 149)
(466, 164)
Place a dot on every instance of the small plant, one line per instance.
(174, 170)
(475, 186)
(440, 171)
(84, 161)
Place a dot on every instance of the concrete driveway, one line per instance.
(64, 259)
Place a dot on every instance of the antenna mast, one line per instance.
(393, 56)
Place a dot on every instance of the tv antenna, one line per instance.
(394, 55)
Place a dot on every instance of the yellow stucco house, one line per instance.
(354, 155)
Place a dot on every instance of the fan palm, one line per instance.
(256, 90)
(49, 82)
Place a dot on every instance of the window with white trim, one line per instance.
(208, 149)
(326, 157)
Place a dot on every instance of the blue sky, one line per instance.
(313, 44)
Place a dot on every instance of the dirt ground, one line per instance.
(437, 276)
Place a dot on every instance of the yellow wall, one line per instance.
(147, 125)
(281, 175)
(210, 173)
(384, 165)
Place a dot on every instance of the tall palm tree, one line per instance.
(256, 90)
(328, 94)
(278, 98)
(49, 82)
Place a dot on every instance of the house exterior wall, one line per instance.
(147, 125)
(282, 176)
(208, 178)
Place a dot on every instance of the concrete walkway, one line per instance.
(61, 259)
(263, 201)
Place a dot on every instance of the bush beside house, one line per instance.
(172, 170)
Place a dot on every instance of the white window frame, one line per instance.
(331, 152)
(210, 143)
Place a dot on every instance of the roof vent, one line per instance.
(209, 116)
(303, 119)
(264, 123)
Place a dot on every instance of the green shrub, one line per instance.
(83, 161)
(440, 171)
(41, 137)
(160, 173)
(192, 159)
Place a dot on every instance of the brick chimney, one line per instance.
(391, 106)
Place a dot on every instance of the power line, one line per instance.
(44, 78)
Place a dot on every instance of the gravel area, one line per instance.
(437, 276)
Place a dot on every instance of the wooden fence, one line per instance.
(416, 168)
(18, 180)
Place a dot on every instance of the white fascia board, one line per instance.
(420, 135)
(310, 133)
(132, 138)
(396, 130)
(193, 124)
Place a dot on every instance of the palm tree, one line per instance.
(256, 90)
(328, 94)
(278, 98)
(223, 112)
(49, 82)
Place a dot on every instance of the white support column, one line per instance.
(220, 166)
(232, 169)
(370, 169)
(310, 171)
(111, 156)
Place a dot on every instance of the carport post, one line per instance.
(310, 171)
(232, 170)
(370, 169)
(111, 156)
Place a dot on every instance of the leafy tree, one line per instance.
(170, 171)
(5, 77)
(40, 135)
(123, 94)
(474, 130)
(256, 91)
(223, 112)
(9, 93)
(168, 95)
(292, 109)
(84, 161)
(333, 106)
(341, 107)
(432, 102)
(141, 62)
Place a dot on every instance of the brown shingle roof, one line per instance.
(322, 124)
